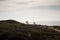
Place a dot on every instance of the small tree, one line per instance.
(27, 22)
(33, 22)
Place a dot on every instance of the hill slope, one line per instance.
(13, 30)
(10, 22)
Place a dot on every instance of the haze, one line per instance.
(39, 11)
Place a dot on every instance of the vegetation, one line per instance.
(13, 30)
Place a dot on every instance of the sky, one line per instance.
(39, 11)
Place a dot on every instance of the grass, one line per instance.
(20, 31)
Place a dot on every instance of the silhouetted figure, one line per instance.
(33, 22)
(27, 22)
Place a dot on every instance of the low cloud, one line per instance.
(26, 2)
(2, 0)
(51, 7)
(54, 7)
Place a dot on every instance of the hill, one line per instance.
(14, 30)
(9, 22)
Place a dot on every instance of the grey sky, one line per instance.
(31, 10)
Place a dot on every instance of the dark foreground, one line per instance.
(12, 30)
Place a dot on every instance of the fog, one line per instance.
(39, 11)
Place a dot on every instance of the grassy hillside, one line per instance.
(13, 30)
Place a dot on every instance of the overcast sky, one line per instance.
(31, 10)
